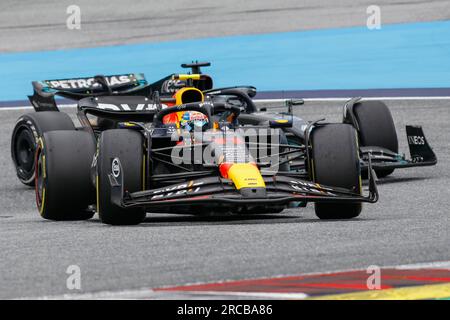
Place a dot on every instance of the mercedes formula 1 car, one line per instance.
(373, 121)
(195, 152)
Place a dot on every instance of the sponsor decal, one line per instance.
(33, 129)
(115, 167)
(177, 190)
(416, 140)
(129, 107)
(303, 186)
(172, 86)
(88, 83)
(417, 159)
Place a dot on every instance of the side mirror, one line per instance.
(294, 102)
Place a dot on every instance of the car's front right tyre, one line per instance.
(127, 146)
(335, 163)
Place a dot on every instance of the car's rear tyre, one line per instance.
(336, 163)
(127, 145)
(27, 131)
(63, 186)
(376, 128)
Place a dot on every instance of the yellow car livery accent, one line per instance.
(246, 175)
(179, 95)
(186, 76)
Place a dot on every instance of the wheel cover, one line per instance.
(24, 152)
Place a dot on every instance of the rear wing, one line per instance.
(43, 98)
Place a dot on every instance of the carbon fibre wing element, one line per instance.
(421, 154)
(280, 190)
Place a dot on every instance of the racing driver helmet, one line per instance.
(191, 120)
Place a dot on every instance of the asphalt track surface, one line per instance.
(31, 25)
(409, 224)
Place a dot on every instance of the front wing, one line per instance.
(280, 190)
(421, 153)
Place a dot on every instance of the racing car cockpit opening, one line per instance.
(188, 95)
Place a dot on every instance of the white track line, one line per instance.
(363, 98)
(430, 265)
(147, 293)
(272, 100)
(237, 294)
(30, 107)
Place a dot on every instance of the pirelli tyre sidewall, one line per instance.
(63, 187)
(335, 162)
(376, 128)
(127, 146)
(26, 133)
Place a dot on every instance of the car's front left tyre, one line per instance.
(63, 187)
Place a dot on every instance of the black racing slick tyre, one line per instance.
(127, 146)
(335, 162)
(64, 189)
(376, 128)
(27, 131)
